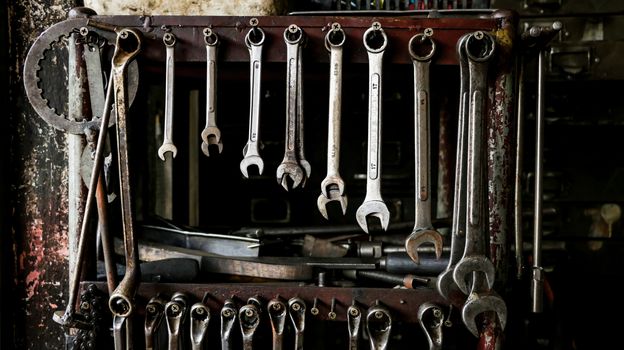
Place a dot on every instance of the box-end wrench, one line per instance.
(200, 318)
(332, 187)
(228, 319)
(422, 48)
(354, 319)
(431, 320)
(154, 312)
(249, 319)
(375, 41)
(480, 48)
(176, 311)
(211, 135)
(445, 284)
(296, 311)
(290, 167)
(277, 315)
(251, 153)
(305, 165)
(167, 146)
(378, 326)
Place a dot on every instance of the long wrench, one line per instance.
(167, 145)
(249, 319)
(154, 312)
(211, 135)
(303, 163)
(200, 318)
(297, 310)
(277, 315)
(423, 231)
(332, 187)
(251, 153)
(290, 167)
(175, 314)
(373, 204)
(378, 326)
(431, 319)
(354, 318)
(228, 318)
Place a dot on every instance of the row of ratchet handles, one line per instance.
(187, 323)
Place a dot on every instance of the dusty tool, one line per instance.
(200, 318)
(251, 153)
(228, 318)
(167, 145)
(176, 311)
(378, 326)
(296, 310)
(354, 318)
(249, 319)
(332, 187)
(305, 165)
(211, 135)
(277, 315)
(422, 48)
(373, 204)
(408, 281)
(154, 312)
(431, 320)
(290, 168)
(479, 303)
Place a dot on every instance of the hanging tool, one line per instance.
(154, 312)
(354, 318)
(378, 326)
(167, 146)
(431, 319)
(200, 318)
(228, 318)
(176, 311)
(277, 316)
(211, 135)
(249, 319)
(296, 310)
(305, 165)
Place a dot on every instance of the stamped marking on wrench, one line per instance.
(375, 41)
(211, 135)
(168, 146)
(200, 318)
(277, 315)
(378, 326)
(354, 318)
(296, 310)
(431, 319)
(228, 318)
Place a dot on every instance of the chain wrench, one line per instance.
(169, 40)
(228, 318)
(251, 153)
(277, 315)
(354, 318)
(249, 317)
(373, 204)
(431, 320)
(211, 135)
(422, 48)
(154, 312)
(175, 314)
(303, 163)
(290, 167)
(200, 318)
(296, 310)
(332, 187)
(378, 326)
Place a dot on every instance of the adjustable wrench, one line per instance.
(431, 319)
(200, 317)
(211, 135)
(251, 153)
(373, 204)
(175, 314)
(354, 318)
(290, 167)
(307, 169)
(167, 145)
(277, 315)
(296, 310)
(154, 312)
(249, 317)
(332, 187)
(445, 282)
(228, 318)
(378, 326)
(422, 48)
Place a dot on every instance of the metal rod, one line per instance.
(518, 173)
(105, 237)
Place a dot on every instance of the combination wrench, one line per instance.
(290, 167)
(200, 318)
(176, 311)
(228, 319)
(378, 326)
(211, 135)
(422, 48)
(249, 319)
(296, 311)
(431, 320)
(251, 153)
(167, 146)
(154, 312)
(277, 315)
(333, 186)
(354, 318)
(303, 163)
(373, 204)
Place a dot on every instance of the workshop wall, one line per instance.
(186, 7)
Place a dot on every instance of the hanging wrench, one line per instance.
(422, 48)
(290, 168)
(378, 326)
(354, 318)
(249, 316)
(373, 204)
(445, 283)
(277, 315)
(200, 317)
(431, 319)
(211, 135)
(296, 310)
(307, 169)
(251, 153)
(228, 318)
(154, 312)
(332, 187)
(168, 146)
(175, 314)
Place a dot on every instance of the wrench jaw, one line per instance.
(447, 287)
(70, 319)
(478, 303)
(334, 195)
(211, 135)
(374, 208)
(289, 170)
(249, 161)
(307, 170)
(378, 326)
(167, 147)
(431, 319)
(420, 237)
(467, 266)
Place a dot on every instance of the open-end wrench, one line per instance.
(167, 145)
(445, 283)
(200, 317)
(211, 135)
(249, 319)
(228, 318)
(422, 48)
(431, 320)
(378, 326)
(277, 315)
(479, 302)
(305, 165)
(154, 312)
(251, 153)
(332, 187)
(375, 41)
(354, 318)
(479, 49)
(290, 168)
(175, 314)
(297, 310)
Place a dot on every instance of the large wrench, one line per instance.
(249, 319)
(378, 326)
(445, 283)
(290, 168)
(167, 145)
(154, 312)
(200, 318)
(354, 318)
(303, 163)
(175, 314)
(332, 187)
(277, 315)
(296, 310)
(251, 153)
(228, 318)
(431, 319)
(211, 135)
(422, 48)
(373, 204)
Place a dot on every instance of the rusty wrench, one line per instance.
(167, 145)
(211, 135)
(354, 318)
(422, 48)
(378, 326)
(175, 314)
(228, 318)
(277, 315)
(303, 163)
(332, 187)
(200, 318)
(373, 204)
(249, 317)
(431, 319)
(154, 312)
(296, 310)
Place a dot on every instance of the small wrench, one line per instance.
(175, 314)
(354, 318)
(332, 187)
(249, 316)
(228, 318)
(277, 315)
(482, 301)
(378, 326)
(373, 204)
(307, 168)
(422, 48)
(168, 146)
(431, 319)
(251, 153)
(290, 167)
(200, 318)
(154, 312)
(296, 310)
(211, 135)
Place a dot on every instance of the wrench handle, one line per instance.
(255, 68)
(373, 180)
(422, 145)
(211, 91)
(292, 79)
(169, 84)
(335, 108)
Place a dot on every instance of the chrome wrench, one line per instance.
(277, 315)
(307, 168)
(296, 310)
(249, 317)
(167, 145)
(431, 320)
(228, 318)
(200, 318)
(175, 314)
(354, 318)
(378, 326)
(211, 135)
(154, 312)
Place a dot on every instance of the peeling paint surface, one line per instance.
(186, 7)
